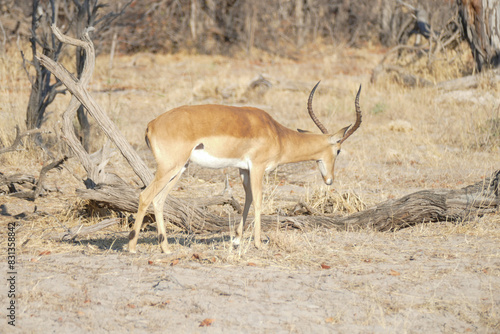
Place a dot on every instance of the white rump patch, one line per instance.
(204, 159)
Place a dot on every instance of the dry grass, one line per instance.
(410, 139)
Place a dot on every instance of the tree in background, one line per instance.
(481, 27)
(43, 92)
(87, 15)
(76, 15)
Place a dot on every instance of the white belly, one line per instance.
(204, 159)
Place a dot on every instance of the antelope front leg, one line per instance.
(256, 176)
(158, 203)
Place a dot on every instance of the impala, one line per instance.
(217, 136)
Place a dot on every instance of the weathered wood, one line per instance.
(420, 207)
(95, 170)
(78, 89)
(187, 215)
(27, 181)
(43, 91)
(481, 27)
(216, 200)
(73, 232)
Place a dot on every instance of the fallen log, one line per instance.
(187, 215)
(424, 206)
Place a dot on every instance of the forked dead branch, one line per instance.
(19, 136)
(13, 183)
(424, 206)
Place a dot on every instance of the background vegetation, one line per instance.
(229, 26)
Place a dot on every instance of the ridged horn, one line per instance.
(311, 112)
(358, 118)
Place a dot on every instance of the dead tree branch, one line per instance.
(78, 89)
(28, 181)
(56, 163)
(471, 81)
(19, 137)
(10, 181)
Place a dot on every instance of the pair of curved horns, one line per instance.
(322, 127)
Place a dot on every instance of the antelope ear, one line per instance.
(302, 131)
(339, 135)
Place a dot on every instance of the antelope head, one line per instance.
(326, 163)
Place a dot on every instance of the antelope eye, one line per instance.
(338, 151)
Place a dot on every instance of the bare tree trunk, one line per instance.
(42, 91)
(87, 16)
(84, 18)
(250, 25)
(387, 33)
(299, 22)
(193, 20)
(481, 27)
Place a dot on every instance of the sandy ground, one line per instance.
(406, 282)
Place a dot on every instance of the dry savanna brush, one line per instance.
(433, 276)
